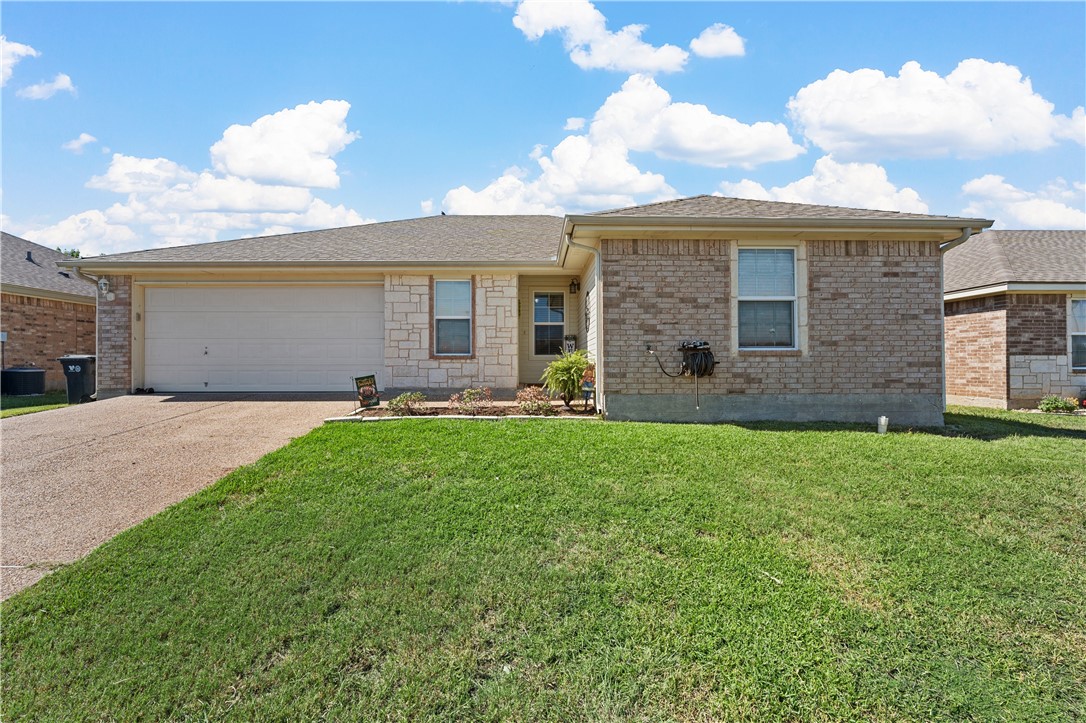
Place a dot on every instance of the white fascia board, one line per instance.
(1017, 288)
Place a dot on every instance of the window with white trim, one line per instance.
(1077, 329)
(452, 318)
(767, 299)
(548, 322)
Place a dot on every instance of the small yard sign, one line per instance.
(368, 396)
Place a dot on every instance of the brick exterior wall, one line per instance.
(1037, 324)
(873, 320)
(1009, 350)
(115, 339)
(409, 363)
(40, 330)
(976, 351)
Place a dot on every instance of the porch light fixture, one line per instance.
(103, 285)
(574, 286)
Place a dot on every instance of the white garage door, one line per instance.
(268, 339)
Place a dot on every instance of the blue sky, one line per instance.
(135, 125)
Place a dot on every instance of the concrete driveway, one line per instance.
(72, 478)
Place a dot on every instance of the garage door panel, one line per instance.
(262, 339)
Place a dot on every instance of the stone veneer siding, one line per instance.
(40, 330)
(409, 363)
(1009, 350)
(873, 334)
(976, 351)
(115, 339)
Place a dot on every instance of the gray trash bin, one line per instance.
(79, 370)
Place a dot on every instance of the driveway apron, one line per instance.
(72, 478)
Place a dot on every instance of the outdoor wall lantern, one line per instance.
(574, 286)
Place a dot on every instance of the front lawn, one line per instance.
(564, 570)
(14, 406)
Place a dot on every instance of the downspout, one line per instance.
(966, 234)
(601, 379)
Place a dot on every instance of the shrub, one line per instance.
(407, 405)
(534, 401)
(562, 377)
(1054, 403)
(472, 401)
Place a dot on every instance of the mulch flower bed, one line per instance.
(442, 409)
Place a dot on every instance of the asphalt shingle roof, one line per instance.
(433, 239)
(723, 207)
(40, 270)
(1002, 257)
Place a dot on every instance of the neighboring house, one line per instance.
(813, 312)
(1016, 318)
(46, 311)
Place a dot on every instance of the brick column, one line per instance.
(115, 339)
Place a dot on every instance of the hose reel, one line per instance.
(698, 361)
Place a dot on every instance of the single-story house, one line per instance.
(812, 312)
(1015, 306)
(45, 311)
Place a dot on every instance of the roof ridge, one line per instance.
(655, 203)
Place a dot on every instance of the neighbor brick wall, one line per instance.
(40, 330)
(115, 338)
(873, 319)
(976, 351)
(408, 361)
(1037, 324)
(1008, 350)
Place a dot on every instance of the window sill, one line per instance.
(770, 352)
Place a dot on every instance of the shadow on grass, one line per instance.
(973, 426)
(991, 427)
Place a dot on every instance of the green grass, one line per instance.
(558, 570)
(14, 406)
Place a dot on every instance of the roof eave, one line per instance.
(693, 223)
(20, 290)
(1016, 287)
(124, 265)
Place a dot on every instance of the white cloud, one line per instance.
(718, 41)
(644, 116)
(292, 147)
(590, 44)
(1057, 205)
(427, 206)
(91, 232)
(574, 124)
(76, 144)
(979, 109)
(129, 174)
(41, 91)
(10, 55)
(852, 185)
(211, 193)
(167, 204)
(581, 173)
(593, 170)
